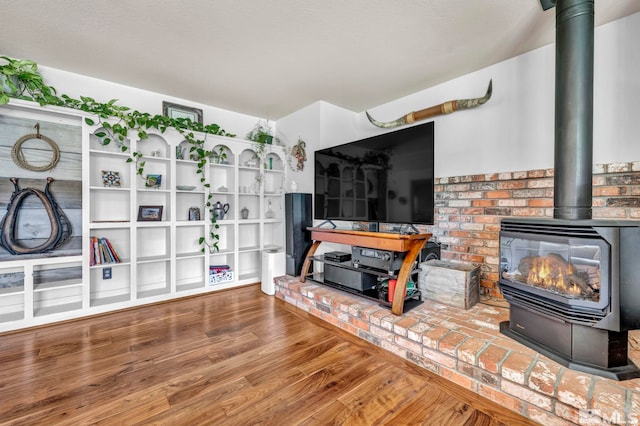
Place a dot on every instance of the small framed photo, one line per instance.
(150, 213)
(111, 178)
(194, 213)
(172, 110)
(153, 181)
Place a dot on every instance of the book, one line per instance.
(113, 251)
(101, 251)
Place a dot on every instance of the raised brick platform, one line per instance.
(466, 347)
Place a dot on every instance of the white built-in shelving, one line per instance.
(159, 259)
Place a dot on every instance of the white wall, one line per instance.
(76, 85)
(320, 125)
(515, 130)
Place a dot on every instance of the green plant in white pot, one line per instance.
(261, 133)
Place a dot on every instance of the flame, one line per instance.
(548, 274)
(557, 275)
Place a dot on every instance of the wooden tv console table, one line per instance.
(411, 244)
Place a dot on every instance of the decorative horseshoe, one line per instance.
(60, 225)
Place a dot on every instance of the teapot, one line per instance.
(219, 210)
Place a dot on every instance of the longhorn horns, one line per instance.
(444, 108)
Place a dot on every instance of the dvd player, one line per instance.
(337, 256)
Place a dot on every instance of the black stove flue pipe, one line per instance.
(573, 108)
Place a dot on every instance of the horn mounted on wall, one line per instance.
(444, 108)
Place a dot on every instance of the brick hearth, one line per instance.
(465, 346)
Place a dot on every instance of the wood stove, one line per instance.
(574, 290)
(573, 283)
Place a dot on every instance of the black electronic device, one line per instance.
(385, 260)
(430, 251)
(298, 237)
(356, 280)
(385, 178)
(337, 256)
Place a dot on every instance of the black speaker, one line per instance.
(356, 280)
(431, 250)
(298, 217)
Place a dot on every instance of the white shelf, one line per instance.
(187, 191)
(153, 224)
(160, 260)
(110, 224)
(119, 154)
(182, 223)
(190, 285)
(222, 252)
(155, 191)
(109, 188)
(60, 309)
(189, 255)
(151, 259)
(74, 282)
(273, 220)
(12, 316)
(152, 293)
(249, 276)
(10, 291)
(123, 262)
(112, 300)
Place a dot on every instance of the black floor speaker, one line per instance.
(298, 218)
(431, 250)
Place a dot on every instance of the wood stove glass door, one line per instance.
(570, 270)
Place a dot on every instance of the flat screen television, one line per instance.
(385, 178)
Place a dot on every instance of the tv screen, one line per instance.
(385, 178)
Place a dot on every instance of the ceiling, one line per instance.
(271, 58)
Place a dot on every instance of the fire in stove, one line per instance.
(562, 268)
(555, 274)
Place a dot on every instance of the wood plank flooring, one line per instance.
(235, 357)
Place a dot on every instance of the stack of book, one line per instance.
(220, 274)
(101, 251)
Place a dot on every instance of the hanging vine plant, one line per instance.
(20, 79)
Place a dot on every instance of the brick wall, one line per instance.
(469, 209)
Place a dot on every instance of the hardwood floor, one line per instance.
(236, 357)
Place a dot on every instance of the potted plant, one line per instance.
(18, 76)
(261, 133)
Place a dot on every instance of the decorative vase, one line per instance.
(244, 212)
(269, 214)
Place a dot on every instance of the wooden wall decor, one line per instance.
(32, 226)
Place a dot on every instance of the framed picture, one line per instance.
(111, 178)
(149, 213)
(172, 110)
(194, 213)
(153, 181)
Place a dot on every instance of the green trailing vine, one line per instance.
(20, 79)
